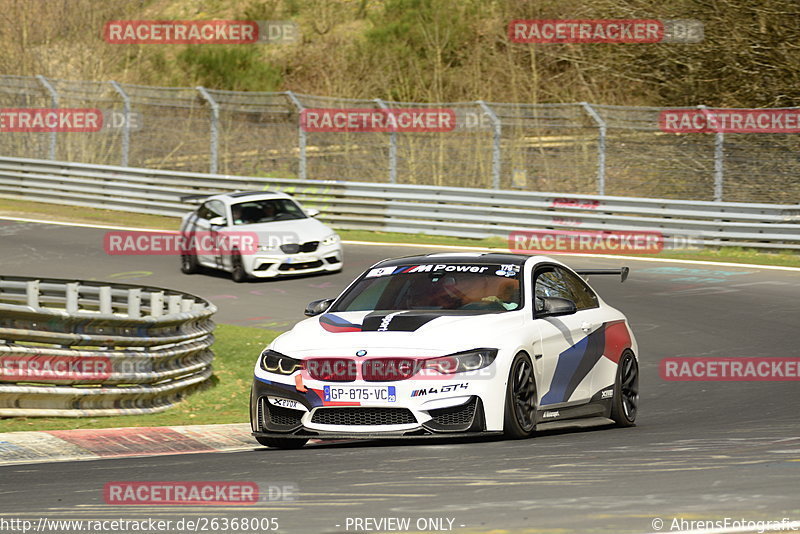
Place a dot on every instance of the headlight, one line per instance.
(331, 239)
(275, 362)
(462, 362)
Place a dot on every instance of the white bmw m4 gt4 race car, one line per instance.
(449, 345)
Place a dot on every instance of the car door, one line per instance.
(200, 229)
(216, 255)
(569, 350)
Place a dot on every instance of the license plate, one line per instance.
(360, 394)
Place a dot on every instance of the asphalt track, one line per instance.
(701, 450)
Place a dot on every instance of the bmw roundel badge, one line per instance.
(362, 352)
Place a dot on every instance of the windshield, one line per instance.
(261, 211)
(492, 288)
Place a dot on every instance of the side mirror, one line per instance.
(318, 306)
(217, 221)
(312, 212)
(555, 306)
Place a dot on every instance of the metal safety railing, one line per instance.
(82, 348)
(450, 211)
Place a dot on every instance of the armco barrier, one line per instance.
(81, 348)
(450, 211)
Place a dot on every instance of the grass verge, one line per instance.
(55, 212)
(236, 348)
(79, 214)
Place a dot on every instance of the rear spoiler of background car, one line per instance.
(622, 272)
(195, 199)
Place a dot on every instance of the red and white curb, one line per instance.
(94, 444)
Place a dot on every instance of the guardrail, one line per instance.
(80, 348)
(450, 211)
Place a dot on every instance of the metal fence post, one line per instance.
(301, 141)
(53, 105)
(601, 147)
(174, 304)
(495, 143)
(72, 297)
(392, 147)
(104, 299)
(135, 303)
(156, 303)
(126, 128)
(719, 155)
(214, 127)
(32, 293)
(719, 172)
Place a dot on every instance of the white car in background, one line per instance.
(290, 240)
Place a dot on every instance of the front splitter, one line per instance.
(372, 436)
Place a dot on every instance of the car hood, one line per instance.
(293, 231)
(382, 333)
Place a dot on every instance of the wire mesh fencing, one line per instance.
(562, 148)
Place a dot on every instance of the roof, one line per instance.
(238, 194)
(241, 196)
(458, 258)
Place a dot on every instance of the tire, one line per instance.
(282, 443)
(189, 264)
(238, 273)
(624, 406)
(519, 420)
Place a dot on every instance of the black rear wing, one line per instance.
(192, 199)
(622, 272)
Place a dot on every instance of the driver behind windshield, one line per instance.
(466, 292)
(265, 211)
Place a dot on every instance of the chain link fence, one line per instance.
(563, 148)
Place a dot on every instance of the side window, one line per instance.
(211, 209)
(203, 212)
(558, 282)
(549, 284)
(583, 297)
(217, 208)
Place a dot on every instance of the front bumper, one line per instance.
(304, 415)
(268, 264)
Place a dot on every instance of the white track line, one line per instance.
(441, 247)
(85, 225)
